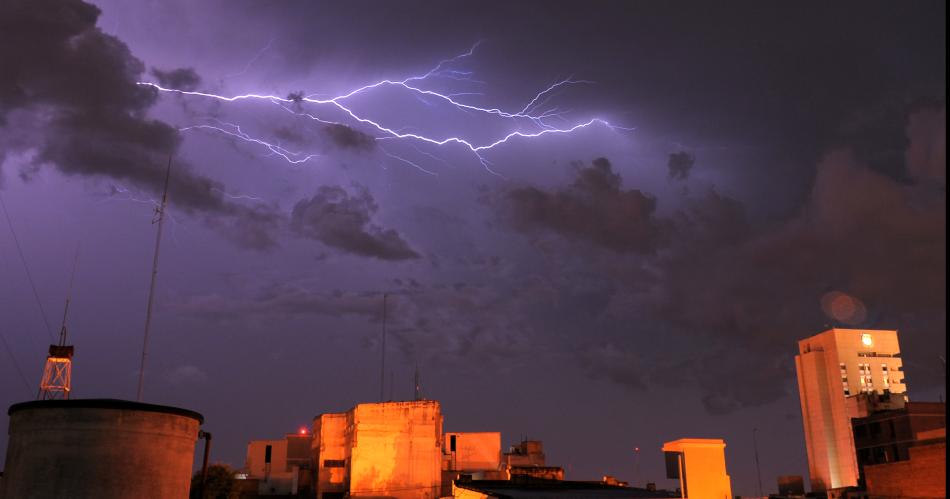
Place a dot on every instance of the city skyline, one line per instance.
(603, 226)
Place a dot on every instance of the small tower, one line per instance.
(57, 375)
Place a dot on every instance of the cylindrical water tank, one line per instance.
(99, 448)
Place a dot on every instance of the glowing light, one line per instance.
(866, 340)
(303, 431)
(531, 115)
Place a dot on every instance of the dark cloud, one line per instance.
(64, 75)
(346, 137)
(343, 221)
(732, 293)
(594, 208)
(680, 164)
(862, 234)
(927, 155)
(182, 78)
(282, 300)
(460, 325)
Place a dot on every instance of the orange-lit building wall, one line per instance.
(329, 453)
(831, 367)
(474, 451)
(703, 467)
(287, 456)
(391, 449)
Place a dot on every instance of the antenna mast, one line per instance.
(57, 374)
(159, 218)
(382, 367)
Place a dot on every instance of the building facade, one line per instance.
(922, 475)
(390, 449)
(280, 467)
(833, 368)
(700, 466)
(888, 436)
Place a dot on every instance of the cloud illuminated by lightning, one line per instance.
(529, 115)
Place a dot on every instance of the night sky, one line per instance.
(754, 173)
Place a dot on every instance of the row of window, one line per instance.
(867, 382)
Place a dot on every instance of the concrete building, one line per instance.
(700, 466)
(886, 436)
(547, 489)
(391, 449)
(471, 452)
(791, 486)
(527, 460)
(471, 456)
(922, 475)
(526, 453)
(833, 367)
(280, 467)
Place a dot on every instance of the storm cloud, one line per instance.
(64, 75)
(593, 208)
(342, 220)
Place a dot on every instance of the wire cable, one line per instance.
(16, 241)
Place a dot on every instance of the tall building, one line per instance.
(834, 367)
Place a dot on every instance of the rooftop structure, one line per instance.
(391, 449)
(280, 466)
(102, 448)
(700, 466)
(833, 366)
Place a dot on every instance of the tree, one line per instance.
(221, 483)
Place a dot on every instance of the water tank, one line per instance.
(99, 448)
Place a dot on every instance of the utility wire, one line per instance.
(16, 364)
(39, 303)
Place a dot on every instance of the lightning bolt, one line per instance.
(530, 114)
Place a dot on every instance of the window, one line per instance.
(334, 463)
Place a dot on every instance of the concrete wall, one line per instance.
(102, 449)
(288, 456)
(474, 451)
(923, 476)
(329, 447)
(394, 450)
(704, 467)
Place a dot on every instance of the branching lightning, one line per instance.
(531, 115)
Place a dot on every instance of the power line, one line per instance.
(16, 240)
(16, 364)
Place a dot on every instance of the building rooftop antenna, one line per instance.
(418, 384)
(158, 218)
(57, 374)
(382, 362)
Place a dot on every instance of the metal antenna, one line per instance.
(160, 219)
(418, 384)
(382, 366)
(69, 295)
(57, 373)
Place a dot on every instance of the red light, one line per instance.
(303, 431)
(636, 449)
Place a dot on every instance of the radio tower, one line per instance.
(57, 375)
(160, 219)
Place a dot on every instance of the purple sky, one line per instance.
(599, 290)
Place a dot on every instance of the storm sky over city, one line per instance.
(603, 225)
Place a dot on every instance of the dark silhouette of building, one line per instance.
(887, 436)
